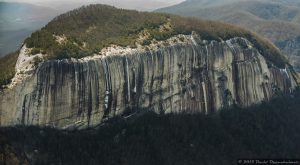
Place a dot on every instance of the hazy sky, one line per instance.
(130, 4)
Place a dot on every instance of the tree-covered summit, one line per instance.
(87, 30)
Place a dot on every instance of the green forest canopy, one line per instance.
(91, 28)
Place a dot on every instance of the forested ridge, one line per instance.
(90, 28)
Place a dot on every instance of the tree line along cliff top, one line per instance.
(86, 30)
(90, 28)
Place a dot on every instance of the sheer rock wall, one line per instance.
(195, 76)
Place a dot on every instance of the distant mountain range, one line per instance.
(18, 21)
(141, 5)
(277, 20)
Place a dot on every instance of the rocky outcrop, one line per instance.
(188, 76)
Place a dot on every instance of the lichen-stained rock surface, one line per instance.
(190, 76)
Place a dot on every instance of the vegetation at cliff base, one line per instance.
(269, 130)
(87, 30)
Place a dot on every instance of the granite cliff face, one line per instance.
(175, 76)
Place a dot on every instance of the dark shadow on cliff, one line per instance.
(269, 130)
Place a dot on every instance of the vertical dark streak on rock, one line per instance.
(171, 73)
(210, 95)
(90, 104)
(115, 102)
(152, 76)
(80, 89)
(161, 79)
(264, 90)
(38, 89)
(110, 87)
(125, 85)
(73, 85)
(140, 82)
(108, 93)
(236, 82)
(44, 85)
(180, 77)
(84, 90)
(97, 88)
(54, 68)
(23, 110)
(133, 87)
(28, 113)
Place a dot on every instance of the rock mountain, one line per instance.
(173, 66)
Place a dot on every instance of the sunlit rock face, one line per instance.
(197, 76)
